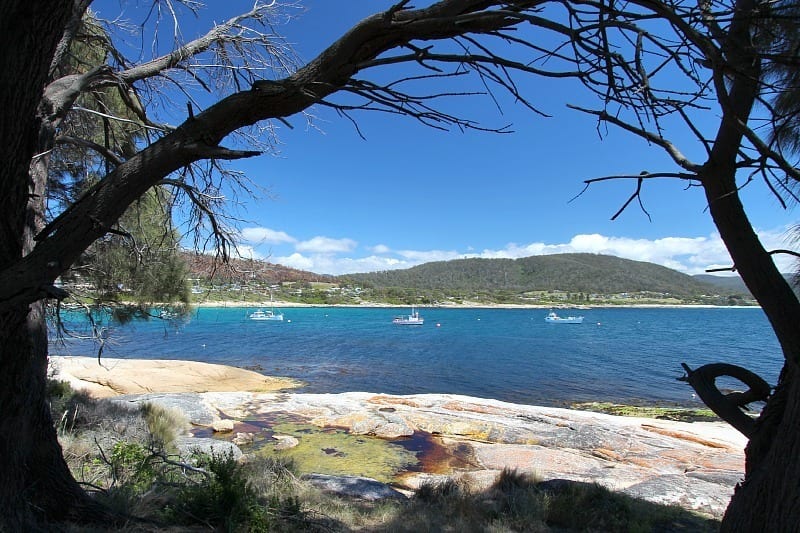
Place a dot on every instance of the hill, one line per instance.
(735, 283)
(544, 279)
(205, 267)
(730, 283)
(586, 273)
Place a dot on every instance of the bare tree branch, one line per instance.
(656, 139)
(102, 150)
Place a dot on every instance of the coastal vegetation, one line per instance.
(653, 66)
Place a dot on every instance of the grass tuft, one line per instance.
(164, 425)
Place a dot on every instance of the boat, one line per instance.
(409, 320)
(553, 318)
(271, 314)
(266, 315)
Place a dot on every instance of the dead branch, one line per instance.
(728, 406)
(732, 268)
(649, 136)
(102, 150)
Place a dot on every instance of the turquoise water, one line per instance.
(621, 355)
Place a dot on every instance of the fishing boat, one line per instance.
(409, 320)
(553, 318)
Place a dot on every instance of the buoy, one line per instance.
(438, 325)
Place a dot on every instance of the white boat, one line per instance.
(553, 318)
(266, 315)
(271, 314)
(409, 320)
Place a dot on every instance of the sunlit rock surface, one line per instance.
(694, 465)
(107, 377)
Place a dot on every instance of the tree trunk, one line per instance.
(769, 497)
(36, 486)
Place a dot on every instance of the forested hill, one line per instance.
(587, 273)
(734, 284)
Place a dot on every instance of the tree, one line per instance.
(141, 260)
(143, 265)
(653, 64)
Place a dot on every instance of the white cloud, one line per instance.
(330, 264)
(248, 252)
(265, 236)
(380, 249)
(427, 256)
(299, 262)
(326, 245)
(691, 255)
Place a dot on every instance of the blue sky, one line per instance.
(335, 203)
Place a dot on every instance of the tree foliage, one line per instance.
(781, 41)
(142, 262)
(139, 261)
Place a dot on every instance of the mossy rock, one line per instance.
(336, 452)
(680, 414)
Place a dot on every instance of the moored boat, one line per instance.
(553, 318)
(409, 320)
(271, 314)
(266, 315)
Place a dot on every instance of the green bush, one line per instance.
(131, 464)
(223, 500)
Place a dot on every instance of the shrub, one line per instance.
(131, 464)
(223, 500)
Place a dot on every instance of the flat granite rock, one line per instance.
(190, 445)
(362, 488)
(695, 465)
(107, 377)
(193, 405)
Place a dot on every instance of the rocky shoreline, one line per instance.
(693, 465)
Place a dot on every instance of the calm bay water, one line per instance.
(626, 355)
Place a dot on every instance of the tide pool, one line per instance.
(628, 355)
